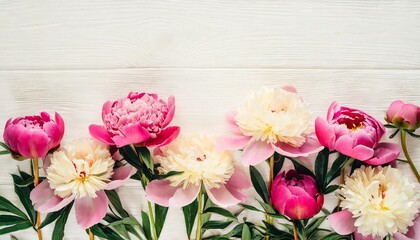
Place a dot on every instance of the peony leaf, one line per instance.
(51, 217)
(7, 206)
(321, 169)
(190, 213)
(105, 232)
(214, 224)
(246, 234)
(259, 184)
(116, 203)
(314, 224)
(274, 231)
(330, 189)
(60, 224)
(23, 194)
(160, 217)
(16, 227)
(221, 211)
(7, 220)
(336, 167)
(278, 163)
(144, 153)
(4, 145)
(300, 167)
(146, 225)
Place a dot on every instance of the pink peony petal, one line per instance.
(310, 146)
(134, 133)
(289, 88)
(53, 132)
(60, 123)
(106, 108)
(222, 197)
(239, 180)
(384, 153)
(165, 137)
(342, 222)
(300, 207)
(325, 133)
(230, 119)
(413, 232)
(279, 195)
(344, 145)
(120, 176)
(332, 110)
(33, 144)
(232, 142)
(256, 152)
(162, 193)
(90, 211)
(100, 133)
(359, 236)
(171, 112)
(44, 200)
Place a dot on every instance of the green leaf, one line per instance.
(7, 206)
(278, 163)
(51, 217)
(413, 134)
(336, 236)
(60, 224)
(145, 156)
(190, 213)
(4, 152)
(274, 231)
(16, 227)
(146, 225)
(169, 174)
(104, 232)
(122, 230)
(321, 168)
(313, 225)
(394, 134)
(131, 157)
(249, 207)
(301, 167)
(206, 216)
(222, 212)
(336, 168)
(116, 203)
(97, 231)
(330, 189)
(4, 145)
(213, 224)
(246, 234)
(259, 184)
(235, 232)
(267, 208)
(7, 220)
(160, 217)
(23, 194)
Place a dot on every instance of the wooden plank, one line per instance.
(235, 34)
(203, 96)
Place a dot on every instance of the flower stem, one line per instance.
(404, 147)
(270, 182)
(35, 169)
(295, 235)
(342, 175)
(152, 220)
(91, 236)
(199, 215)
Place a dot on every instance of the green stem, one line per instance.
(200, 214)
(270, 182)
(404, 147)
(152, 220)
(35, 169)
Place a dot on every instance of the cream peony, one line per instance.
(381, 200)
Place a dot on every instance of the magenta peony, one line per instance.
(34, 136)
(139, 118)
(296, 195)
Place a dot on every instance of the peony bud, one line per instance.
(403, 116)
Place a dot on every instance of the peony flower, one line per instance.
(376, 202)
(271, 120)
(33, 136)
(80, 171)
(139, 118)
(355, 134)
(296, 195)
(201, 165)
(402, 115)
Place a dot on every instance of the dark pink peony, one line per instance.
(402, 115)
(355, 134)
(296, 195)
(139, 118)
(34, 136)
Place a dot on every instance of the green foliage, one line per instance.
(259, 184)
(190, 213)
(60, 224)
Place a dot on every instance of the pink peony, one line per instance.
(296, 195)
(201, 165)
(139, 118)
(271, 120)
(355, 134)
(80, 172)
(34, 136)
(402, 115)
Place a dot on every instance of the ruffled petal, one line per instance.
(100, 133)
(171, 112)
(120, 176)
(384, 153)
(342, 222)
(256, 152)
(90, 211)
(162, 193)
(310, 146)
(165, 137)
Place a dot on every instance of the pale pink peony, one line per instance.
(201, 165)
(34, 136)
(271, 120)
(139, 118)
(402, 115)
(296, 195)
(80, 172)
(355, 134)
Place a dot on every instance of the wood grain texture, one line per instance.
(186, 33)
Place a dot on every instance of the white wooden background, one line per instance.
(71, 56)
